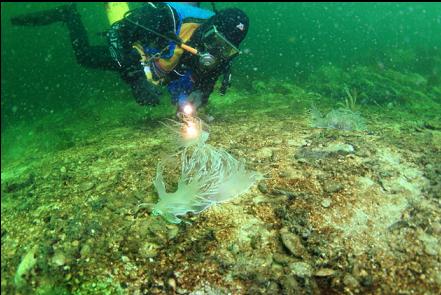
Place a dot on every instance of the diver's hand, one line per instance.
(144, 92)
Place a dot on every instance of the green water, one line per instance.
(285, 41)
(58, 116)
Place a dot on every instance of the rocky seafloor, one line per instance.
(339, 211)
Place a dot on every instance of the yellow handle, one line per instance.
(189, 49)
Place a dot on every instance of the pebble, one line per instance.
(291, 142)
(86, 186)
(26, 265)
(350, 281)
(436, 227)
(296, 142)
(149, 250)
(171, 282)
(291, 173)
(415, 267)
(85, 251)
(332, 187)
(59, 259)
(263, 188)
(437, 278)
(282, 192)
(290, 285)
(125, 259)
(281, 259)
(339, 149)
(430, 243)
(301, 269)
(326, 203)
(292, 242)
(172, 231)
(325, 272)
(264, 153)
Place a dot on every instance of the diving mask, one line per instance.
(215, 42)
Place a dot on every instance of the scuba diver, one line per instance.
(179, 45)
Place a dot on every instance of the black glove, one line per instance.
(144, 92)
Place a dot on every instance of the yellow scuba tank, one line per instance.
(115, 11)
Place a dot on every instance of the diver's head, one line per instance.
(232, 23)
(220, 36)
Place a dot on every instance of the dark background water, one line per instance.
(286, 41)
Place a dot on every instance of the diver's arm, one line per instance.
(121, 37)
(206, 84)
(124, 33)
(226, 80)
(206, 87)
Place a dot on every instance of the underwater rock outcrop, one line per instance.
(342, 119)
